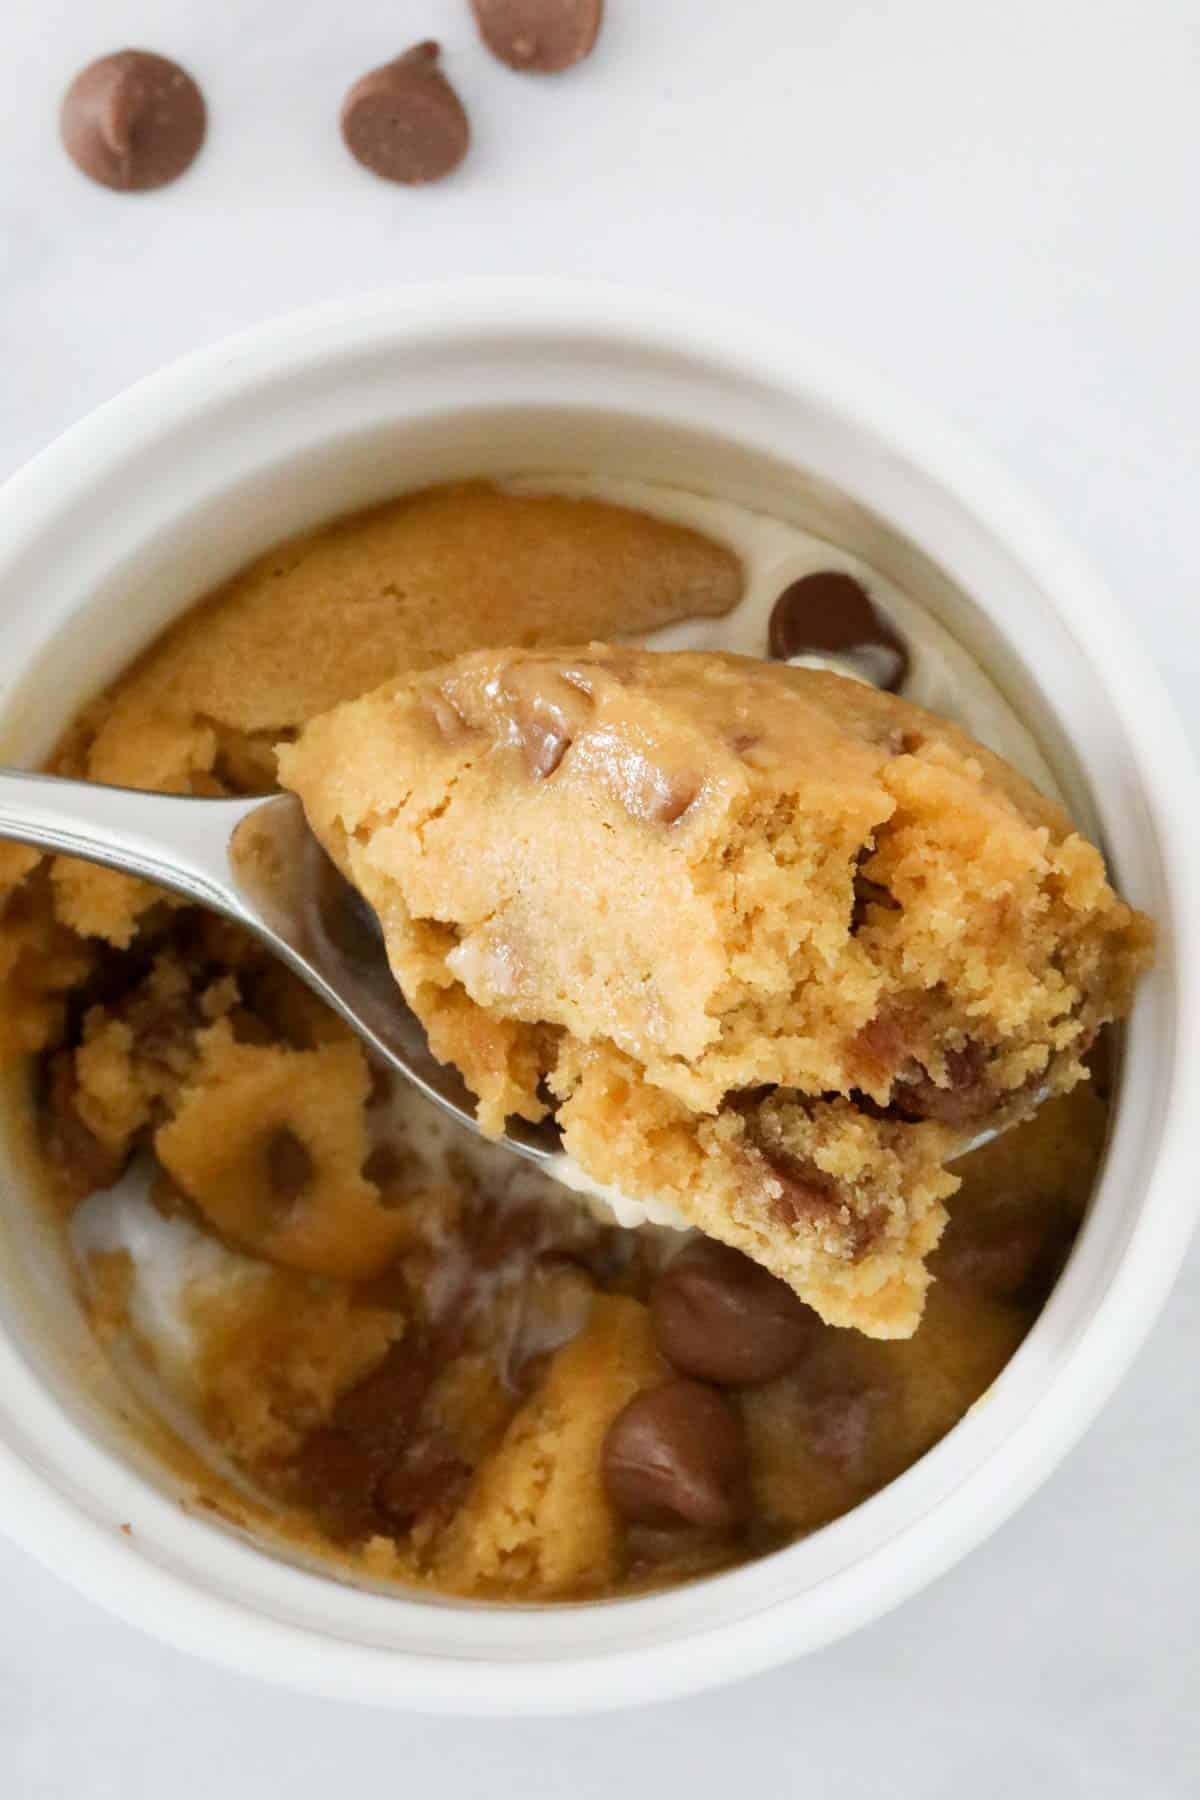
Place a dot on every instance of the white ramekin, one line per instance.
(115, 527)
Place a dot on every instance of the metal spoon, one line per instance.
(256, 862)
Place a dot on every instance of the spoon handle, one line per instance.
(177, 841)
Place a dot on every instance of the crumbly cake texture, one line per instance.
(779, 943)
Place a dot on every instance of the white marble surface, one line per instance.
(995, 201)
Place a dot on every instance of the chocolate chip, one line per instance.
(337, 1478)
(831, 614)
(677, 797)
(84, 1164)
(548, 711)
(723, 1318)
(429, 1477)
(806, 1194)
(289, 1165)
(384, 1164)
(541, 35)
(1006, 1258)
(375, 1465)
(647, 790)
(677, 1455)
(404, 121)
(966, 1095)
(445, 717)
(380, 1413)
(884, 1042)
(248, 1028)
(545, 746)
(132, 121)
(812, 1200)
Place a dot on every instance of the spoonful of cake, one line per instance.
(774, 946)
(769, 948)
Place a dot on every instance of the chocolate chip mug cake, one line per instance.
(729, 886)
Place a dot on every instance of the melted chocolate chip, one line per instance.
(445, 717)
(678, 797)
(289, 1165)
(372, 1467)
(545, 745)
(677, 1455)
(807, 1194)
(82, 1161)
(831, 614)
(384, 1164)
(132, 121)
(337, 1478)
(966, 1095)
(540, 35)
(723, 1318)
(810, 1198)
(866, 895)
(404, 121)
(547, 712)
(381, 1411)
(1007, 1257)
(428, 1478)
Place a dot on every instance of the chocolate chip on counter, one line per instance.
(831, 614)
(132, 121)
(677, 1455)
(539, 35)
(723, 1318)
(404, 121)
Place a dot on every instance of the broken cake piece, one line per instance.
(778, 944)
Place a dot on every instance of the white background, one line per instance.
(997, 201)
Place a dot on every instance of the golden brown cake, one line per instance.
(779, 943)
(419, 1360)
